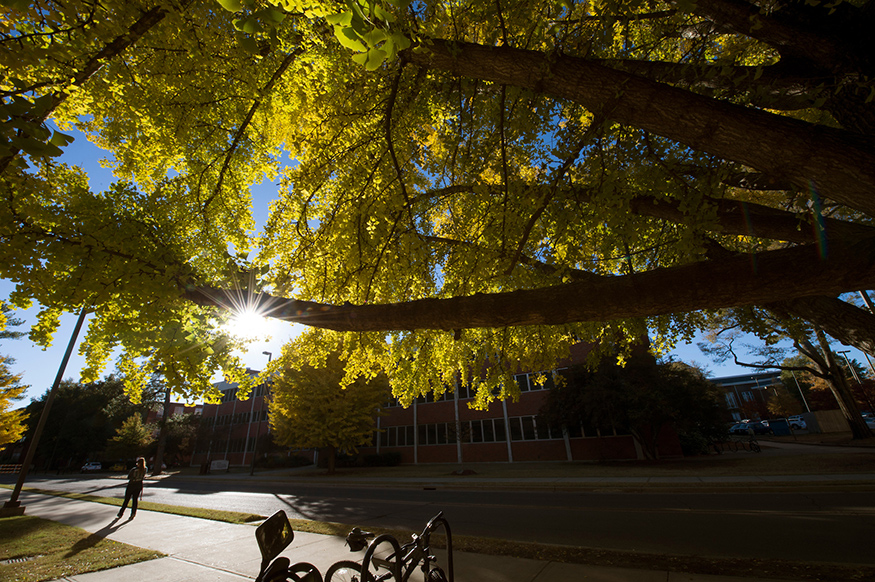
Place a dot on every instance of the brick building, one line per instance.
(747, 395)
(445, 430)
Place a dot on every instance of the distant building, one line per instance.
(746, 395)
(442, 431)
(230, 429)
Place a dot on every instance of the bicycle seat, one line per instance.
(357, 539)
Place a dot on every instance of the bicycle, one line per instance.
(273, 536)
(400, 563)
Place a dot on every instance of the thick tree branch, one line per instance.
(779, 30)
(740, 280)
(834, 161)
(843, 321)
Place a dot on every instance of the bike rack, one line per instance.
(396, 565)
(441, 521)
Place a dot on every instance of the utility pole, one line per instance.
(13, 506)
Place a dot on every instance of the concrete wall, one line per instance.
(831, 421)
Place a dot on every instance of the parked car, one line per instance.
(746, 428)
(797, 422)
(870, 422)
(91, 466)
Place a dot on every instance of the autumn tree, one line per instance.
(472, 185)
(316, 406)
(12, 422)
(131, 439)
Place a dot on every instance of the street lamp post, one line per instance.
(844, 354)
(13, 506)
(258, 426)
(798, 387)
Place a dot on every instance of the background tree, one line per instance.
(12, 422)
(782, 404)
(131, 439)
(181, 431)
(773, 326)
(641, 397)
(12, 425)
(83, 418)
(316, 406)
(465, 180)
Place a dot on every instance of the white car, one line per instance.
(91, 466)
(797, 422)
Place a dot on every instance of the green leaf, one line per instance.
(248, 25)
(273, 15)
(376, 57)
(386, 17)
(61, 139)
(231, 5)
(349, 38)
(341, 19)
(249, 45)
(375, 36)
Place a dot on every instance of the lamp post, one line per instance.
(13, 506)
(798, 387)
(856, 377)
(258, 426)
(853, 371)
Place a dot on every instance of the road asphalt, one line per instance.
(203, 550)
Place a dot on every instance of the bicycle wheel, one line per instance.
(304, 572)
(349, 571)
(344, 571)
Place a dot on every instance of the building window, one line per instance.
(731, 402)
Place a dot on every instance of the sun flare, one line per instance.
(249, 324)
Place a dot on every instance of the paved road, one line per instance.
(824, 527)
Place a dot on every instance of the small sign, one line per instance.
(219, 466)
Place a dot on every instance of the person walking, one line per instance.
(135, 487)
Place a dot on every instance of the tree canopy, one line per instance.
(457, 183)
(313, 407)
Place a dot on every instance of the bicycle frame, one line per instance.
(403, 560)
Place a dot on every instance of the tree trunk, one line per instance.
(839, 387)
(831, 160)
(332, 459)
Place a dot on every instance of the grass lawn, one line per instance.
(34, 549)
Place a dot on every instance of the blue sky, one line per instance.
(39, 367)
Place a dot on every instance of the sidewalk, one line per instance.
(202, 550)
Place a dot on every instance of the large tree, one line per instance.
(314, 407)
(465, 177)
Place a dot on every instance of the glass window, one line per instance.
(500, 432)
(441, 429)
(528, 423)
(575, 430)
(477, 430)
(409, 439)
(516, 429)
(522, 381)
